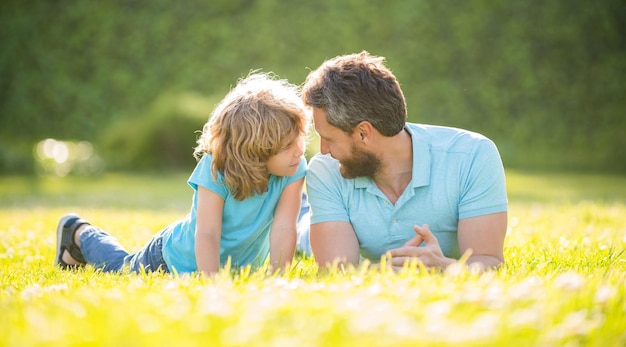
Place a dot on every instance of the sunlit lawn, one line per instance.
(564, 283)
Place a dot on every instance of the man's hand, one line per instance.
(430, 255)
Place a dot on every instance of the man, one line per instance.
(381, 186)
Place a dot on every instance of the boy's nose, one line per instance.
(301, 148)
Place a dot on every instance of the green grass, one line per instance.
(564, 283)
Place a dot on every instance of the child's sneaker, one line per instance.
(65, 240)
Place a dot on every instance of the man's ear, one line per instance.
(364, 131)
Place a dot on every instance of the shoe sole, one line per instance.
(60, 226)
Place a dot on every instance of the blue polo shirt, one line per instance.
(456, 174)
(245, 224)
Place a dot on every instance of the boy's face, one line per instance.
(286, 162)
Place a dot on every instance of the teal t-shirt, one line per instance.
(245, 224)
(456, 174)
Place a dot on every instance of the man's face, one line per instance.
(360, 163)
(354, 161)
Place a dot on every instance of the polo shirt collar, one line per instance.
(421, 157)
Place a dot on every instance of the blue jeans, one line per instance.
(105, 252)
(303, 243)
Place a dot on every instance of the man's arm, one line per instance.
(332, 241)
(484, 235)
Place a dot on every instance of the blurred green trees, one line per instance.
(545, 80)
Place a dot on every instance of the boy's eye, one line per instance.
(292, 143)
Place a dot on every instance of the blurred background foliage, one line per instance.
(543, 79)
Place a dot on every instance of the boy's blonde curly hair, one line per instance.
(252, 123)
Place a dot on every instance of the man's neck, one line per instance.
(396, 154)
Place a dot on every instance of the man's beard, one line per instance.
(361, 163)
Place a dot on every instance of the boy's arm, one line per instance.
(208, 231)
(283, 230)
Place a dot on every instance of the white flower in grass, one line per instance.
(405, 291)
(178, 308)
(469, 295)
(10, 253)
(115, 294)
(527, 316)
(527, 290)
(77, 309)
(171, 285)
(441, 329)
(493, 296)
(352, 304)
(215, 301)
(380, 312)
(374, 289)
(456, 269)
(586, 241)
(356, 280)
(147, 323)
(44, 327)
(575, 324)
(403, 328)
(31, 292)
(570, 281)
(438, 309)
(244, 333)
(485, 325)
(604, 294)
(278, 283)
(56, 288)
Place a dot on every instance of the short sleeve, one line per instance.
(483, 189)
(202, 176)
(324, 189)
(300, 173)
